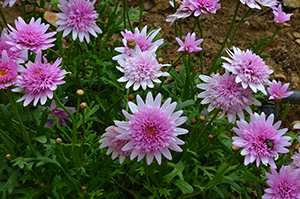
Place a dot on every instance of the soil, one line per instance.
(284, 51)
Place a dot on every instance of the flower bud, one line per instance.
(160, 60)
(83, 188)
(193, 121)
(235, 148)
(112, 45)
(131, 43)
(83, 106)
(8, 157)
(42, 185)
(79, 92)
(210, 137)
(177, 3)
(202, 118)
(58, 141)
(131, 97)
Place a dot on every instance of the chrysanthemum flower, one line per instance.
(114, 144)
(152, 129)
(283, 185)
(254, 3)
(249, 69)
(280, 16)
(30, 36)
(261, 139)
(183, 11)
(296, 159)
(141, 39)
(79, 17)
(10, 2)
(140, 69)
(190, 44)
(39, 80)
(277, 92)
(8, 71)
(18, 56)
(222, 92)
(60, 113)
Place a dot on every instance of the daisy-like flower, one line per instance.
(140, 69)
(280, 16)
(141, 39)
(183, 11)
(249, 69)
(277, 92)
(152, 129)
(39, 80)
(79, 17)
(115, 145)
(190, 44)
(296, 159)
(254, 3)
(283, 185)
(30, 36)
(60, 113)
(19, 56)
(261, 139)
(10, 2)
(8, 71)
(222, 92)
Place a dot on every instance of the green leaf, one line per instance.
(177, 171)
(41, 139)
(184, 186)
(181, 105)
(12, 181)
(20, 161)
(6, 117)
(250, 177)
(175, 75)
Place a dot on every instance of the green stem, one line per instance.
(188, 80)
(10, 139)
(141, 14)
(34, 8)
(24, 9)
(3, 18)
(201, 52)
(83, 135)
(270, 40)
(1, 25)
(146, 171)
(276, 111)
(124, 13)
(127, 15)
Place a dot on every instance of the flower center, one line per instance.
(286, 188)
(150, 130)
(3, 72)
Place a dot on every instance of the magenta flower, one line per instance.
(60, 113)
(8, 71)
(283, 185)
(277, 92)
(261, 139)
(190, 44)
(140, 69)
(152, 129)
(254, 3)
(280, 16)
(79, 17)
(249, 69)
(10, 2)
(39, 80)
(141, 39)
(30, 36)
(222, 92)
(296, 159)
(183, 11)
(114, 144)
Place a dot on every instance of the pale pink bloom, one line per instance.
(60, 113)
(249, 68)
(152, 129)
(280, 16)
(283, 185)
(296, 159)
(79, 17)
(222, 92)
(277, 92)
(8, 71)
(10, 2)
(296, 126)
(39, 80)
(183, 11)
(254, 3)
(190, 44)
(203, 6)
(30, 36)
(261, 139)
(141, 69)
(115, 145)
(138, 39)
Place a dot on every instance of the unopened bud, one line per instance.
(79, 92)
(160, 60)
(58, 141)
(131, 97)
(210, 137)
(131, 43)
(177, 3)
(8, 157)
(235, 148)
(193, 121)
(202, 118)
(41, 11)
(42, 185)
(83, 106)
(83, 188)
(112, 45)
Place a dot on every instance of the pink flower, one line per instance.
(222, 92)
(261, 139)
(79, 17)
(114, 144)
(152, 129)
(189, 45)
(249, 69)
(254, 3)
(39, 80)
(203, 6)
(296, 126)
(280, 16)
(10, 2)
(8, 71)
(60, 113)
(277, 92)
(30, 36)
(183, 11)
(140, 69)
(141, 39)
(285, 185)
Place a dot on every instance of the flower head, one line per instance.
(285, 184)
(30, 36)
(152, 129)
(190, 44)
(222, 92)
(140, 69)
(277, 92)
(296, 126)
(39, 80)
(280, 16)
(249, 69)
(254, 3)
(183, 11)
(115, 145)
(10, 2)
(60, 113)
(79, 17)
(203, 6)
(261, 139)
(8, 71)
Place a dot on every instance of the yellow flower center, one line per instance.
(3, 72)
